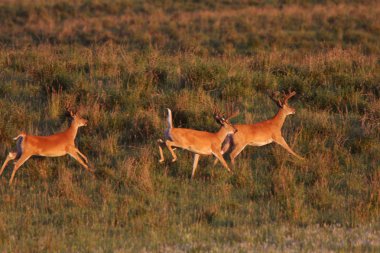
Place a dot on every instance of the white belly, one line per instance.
(261, 143)
(55, 154)
(197, 151)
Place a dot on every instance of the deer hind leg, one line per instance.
(281, 141)
(160, 143)
(195, 164)
(169, 144)
(23, 158)
(11, 156)
(81, 154)
(235, 152)
(72, 152)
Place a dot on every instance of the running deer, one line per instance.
(198, 142)
(262, 133)
(59, 144)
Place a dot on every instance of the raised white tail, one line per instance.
(19, 136)
(169, 119)
(198, 142)
(54, 145)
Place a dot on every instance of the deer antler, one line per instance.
(221, 116)
(231, 113)
(218, 115)
(69, 109)
(291, 94)
(276, 100)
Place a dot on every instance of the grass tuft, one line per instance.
(122, 63)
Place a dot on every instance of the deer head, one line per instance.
(224, 120)
(77, 119)
(283, 103)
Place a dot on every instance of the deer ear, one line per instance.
(218, 119)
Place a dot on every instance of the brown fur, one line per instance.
(199, 142)
(54, 145)
(261, 133)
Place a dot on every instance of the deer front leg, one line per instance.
(218, 154)
(225, 147)
(82, 155)
(72, 152)
(281, 141)
(11, 156)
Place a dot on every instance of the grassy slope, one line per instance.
(123, 63)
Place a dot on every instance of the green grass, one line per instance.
(123, 63)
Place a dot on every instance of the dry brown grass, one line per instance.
(70, 191)
(122, 63)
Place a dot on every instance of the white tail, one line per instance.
(169, 119)
(54, 145)
(261, 133)
(199, 142)
(21, 135)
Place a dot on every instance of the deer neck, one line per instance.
(279, 118)
(72, 131)
(222, 134)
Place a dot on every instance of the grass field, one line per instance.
(123, 62)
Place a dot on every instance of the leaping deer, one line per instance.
(59, 144)
(261, 133)
(198, 142)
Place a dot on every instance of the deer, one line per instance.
(198, 142)
(55, 145)
(262, 133)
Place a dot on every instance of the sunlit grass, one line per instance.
(190, 57)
